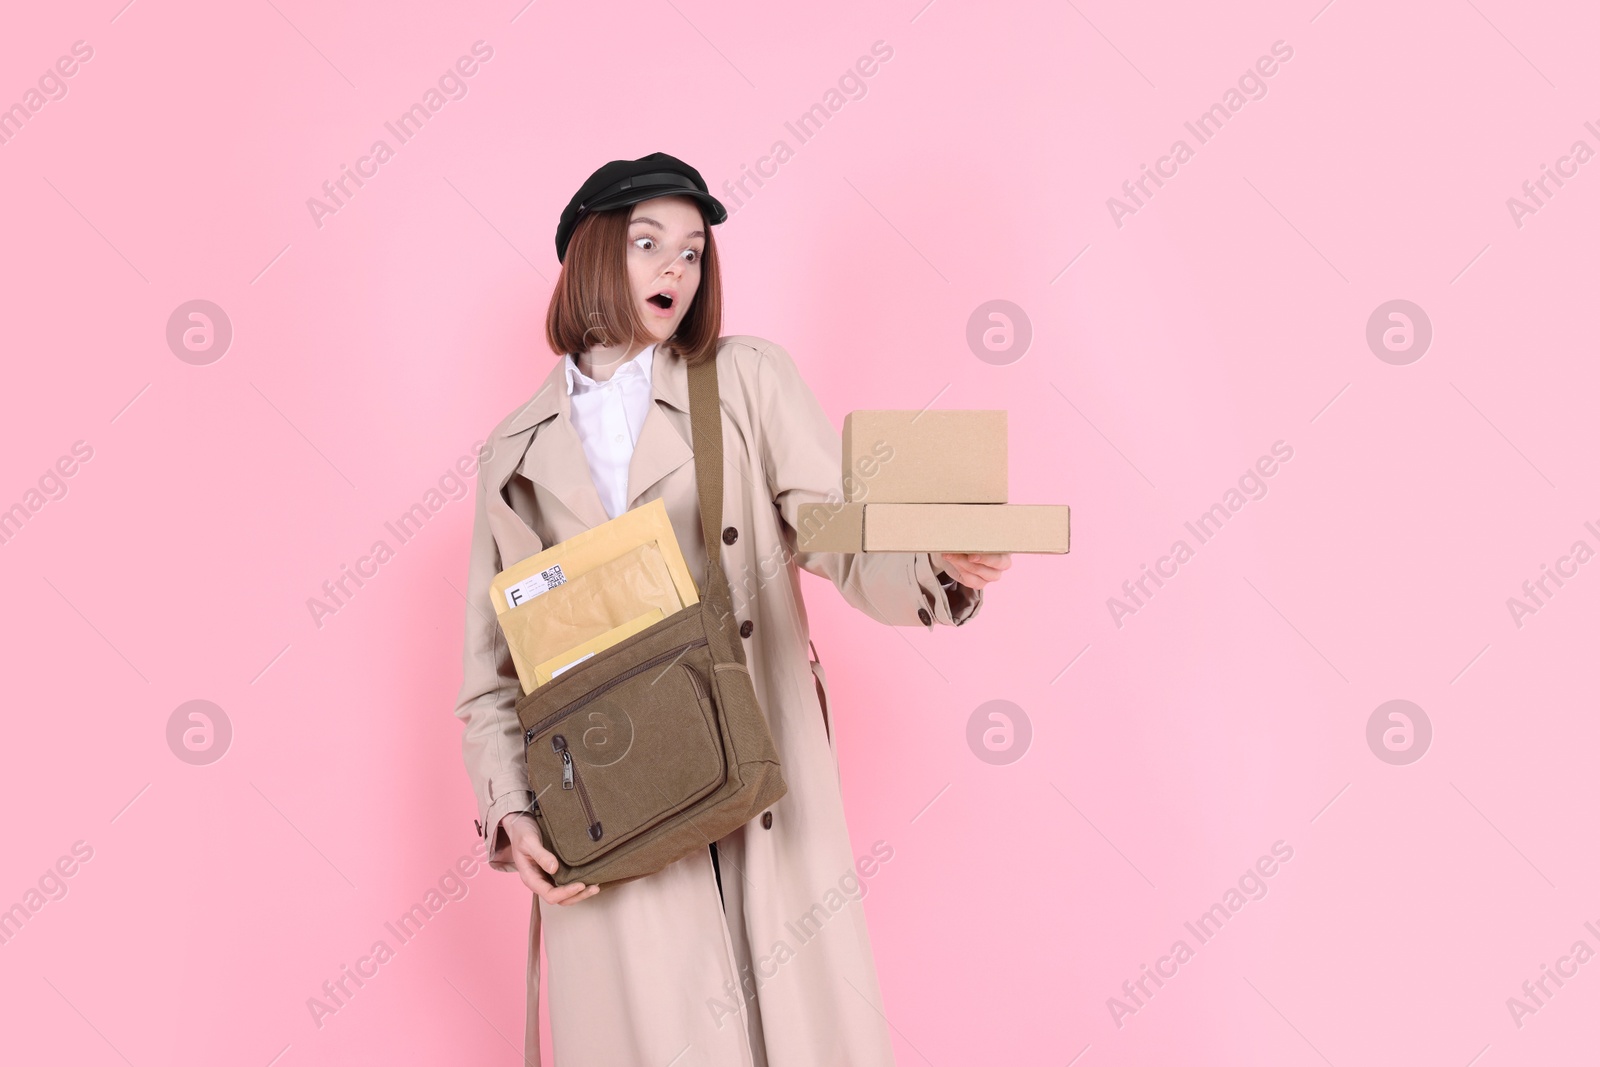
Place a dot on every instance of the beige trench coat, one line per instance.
(655, 971)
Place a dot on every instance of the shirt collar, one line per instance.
(639, 365)
(669, 383)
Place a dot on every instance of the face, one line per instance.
(666, 238)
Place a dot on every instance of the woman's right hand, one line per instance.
(533, 862)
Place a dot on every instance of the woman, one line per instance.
(754, 952)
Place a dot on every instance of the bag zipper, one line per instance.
(556, 716)
(699, 686)
(569, 778)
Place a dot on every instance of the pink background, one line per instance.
(1227, 314)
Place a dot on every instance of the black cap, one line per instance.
(628, 181)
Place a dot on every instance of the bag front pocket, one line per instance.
(627, 755)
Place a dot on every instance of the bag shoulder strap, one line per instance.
(705, 424)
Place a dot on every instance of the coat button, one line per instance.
(922, 613)
(746, 628)
(766, 820)
(730, 535)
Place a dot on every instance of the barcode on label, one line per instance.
(534, 585)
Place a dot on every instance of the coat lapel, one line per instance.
(662, 447)
(555, 459)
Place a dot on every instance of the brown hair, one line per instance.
(593, 305)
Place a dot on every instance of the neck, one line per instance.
(602, 361)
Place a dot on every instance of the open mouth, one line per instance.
(661, 300)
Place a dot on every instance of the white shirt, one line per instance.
(608, 416)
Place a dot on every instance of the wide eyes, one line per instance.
(648, 244)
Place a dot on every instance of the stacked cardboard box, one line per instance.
(929, 481)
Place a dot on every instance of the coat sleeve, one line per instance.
(491, 744)
(801, 455)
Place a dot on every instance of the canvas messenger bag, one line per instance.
(657, 745)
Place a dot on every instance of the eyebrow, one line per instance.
(657, 225)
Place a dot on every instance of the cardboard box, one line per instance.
(876, 527)
(918, 457)
(830, 528)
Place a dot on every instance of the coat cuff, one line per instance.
(945, 601)
(495, 843)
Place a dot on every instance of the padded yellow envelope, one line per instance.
(576, 593)
(574, 656)
(537, 575)
(583, 608)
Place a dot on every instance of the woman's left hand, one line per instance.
(972, 569)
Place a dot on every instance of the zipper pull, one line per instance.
(559, 743)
